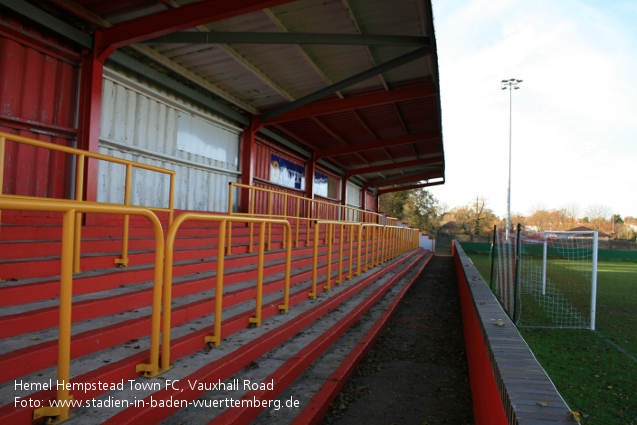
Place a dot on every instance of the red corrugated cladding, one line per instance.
(38, 97)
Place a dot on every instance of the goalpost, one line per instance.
(548, 279)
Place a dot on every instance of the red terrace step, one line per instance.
(102, 280)
(188, 344)
(30, 359)
(285, 375)
(232, 363)
(52, 247)
(11, 232)
(21, 263)
(26, 268)
(45, 318)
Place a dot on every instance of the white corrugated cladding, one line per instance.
(144, 123)
(353, 197)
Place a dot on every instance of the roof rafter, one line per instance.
(410, 187)
(189, 16)
(418, 91)
(408, 177)
(394, 165)
(336, 136)
(189, 37)
(376, 144)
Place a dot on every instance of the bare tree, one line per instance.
(599, 217)
(571, 213)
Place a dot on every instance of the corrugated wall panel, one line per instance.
(370, 201)
(141, 122)
(38, 95)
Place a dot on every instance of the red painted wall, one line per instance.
(487, 404)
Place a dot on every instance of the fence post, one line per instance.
(492, 253)
(516, 289)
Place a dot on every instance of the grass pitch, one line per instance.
(595, 371)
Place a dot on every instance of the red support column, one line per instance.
(90, 108)
(248, 153)
(89, 117)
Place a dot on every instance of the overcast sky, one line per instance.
(574, 117)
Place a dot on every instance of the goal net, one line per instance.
(548, 279)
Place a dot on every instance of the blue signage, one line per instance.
(286, 173)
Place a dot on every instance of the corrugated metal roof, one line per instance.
(263, 77)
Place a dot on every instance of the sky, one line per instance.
(574, 118)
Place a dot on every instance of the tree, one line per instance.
(474, 218)
(418, 207)
(599, 217)
(571, 213)
(545, 219)
(393, 203)
(421, 210)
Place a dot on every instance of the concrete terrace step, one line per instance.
(188, 339)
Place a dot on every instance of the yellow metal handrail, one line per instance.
(387, 242)
(223, 222)
(70, 210)
(305, 209)
(81, 156)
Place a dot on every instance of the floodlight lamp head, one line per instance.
(519, 81)
(516, 87)
(505, 81)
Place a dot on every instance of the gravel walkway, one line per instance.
(416, 373)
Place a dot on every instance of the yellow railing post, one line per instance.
(256, 320)
(296, 224)
(79, 196)
(359, 248)
(215, 339)
(230, 202)
(339, 276)
(285, 217)
(351, 252)
(312, 293)
(270, 206)
(123, 262)
(251, 211)
(61, 412)
(171, 199)
(329, 228)
(283, 308)
(366, 248)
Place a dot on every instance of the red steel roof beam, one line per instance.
(356, 102)
(411, 187)
(377, 144)
(180, 19)
(394, 165)
(407, 178)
